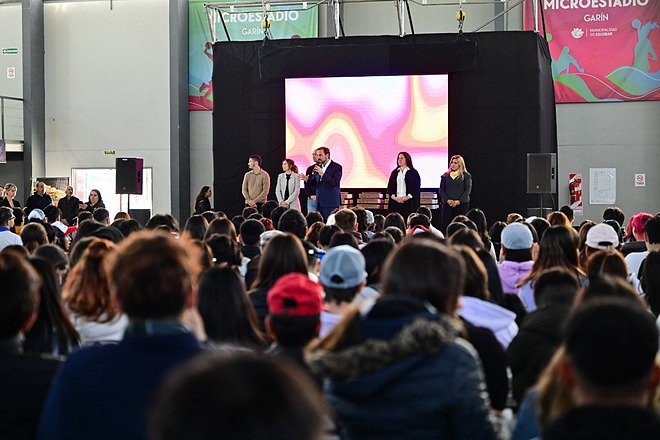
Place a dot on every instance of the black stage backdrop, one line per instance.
(501, 103)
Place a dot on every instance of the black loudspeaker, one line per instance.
(128, 175)
(141, 215)
(541, 173)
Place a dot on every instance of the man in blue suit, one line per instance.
(327, 181)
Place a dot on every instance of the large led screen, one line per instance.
(366, 121)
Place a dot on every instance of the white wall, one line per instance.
(11, 36)
(107, 87)
(625, 136)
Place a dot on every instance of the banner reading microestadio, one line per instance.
(242, 24)
(602, 50)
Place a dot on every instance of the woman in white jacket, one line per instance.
(288, 185)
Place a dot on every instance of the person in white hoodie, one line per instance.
(516, 252)
(475, 306)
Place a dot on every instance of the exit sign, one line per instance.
(10, 51)
(109, 153)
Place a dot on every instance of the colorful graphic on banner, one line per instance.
(575, 191)
(243, 24)
(602, 50)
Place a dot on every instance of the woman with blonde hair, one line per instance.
(455, 189)
(86, 295)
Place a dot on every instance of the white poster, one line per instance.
(602, 186)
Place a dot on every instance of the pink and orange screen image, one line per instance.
(366, 122)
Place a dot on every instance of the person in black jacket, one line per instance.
(404, 186)
(70, 206)
(202, 202)
(38, 200)
(24, 378)
(455, 189)
(95, 201)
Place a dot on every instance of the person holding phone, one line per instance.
(404, 186)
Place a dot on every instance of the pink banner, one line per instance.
(602, 50)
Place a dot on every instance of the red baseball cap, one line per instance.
(294, 294)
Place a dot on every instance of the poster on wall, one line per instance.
(602, 186)
(575, 193)
(242, 24)
(602, 50)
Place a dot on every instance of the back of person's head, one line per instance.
(394, 232)
(454, 227)
(342, 274)
(375, 253)
(248, 211)
(122, 215)
(237, 221)
(476, 278)
(226, 311)
(108, 233)
(608, 286)
(86, 291)
(362, 218)
(558, 218)
(637, 223)
(267, 208)
(313, 217)
(568, 212)
(84, 215)
(196, 227)
(427, 271)
(312, 234)
(255, 216)
(222, 226)
(54, 255)
(346, 220)
(152, 275)
(33, 235)
(52, 213)
(606, 262)
(284, 253)
(78, 249)
(344, 238)
(210, 216)
(101, 215)
(251, 230)
(650, 281)
(167, 220)
(424, 210)
(19, 294)
(397, 220)
(20, 216)
(276, 213)
(540, 225)
(602, 236)
(558, 247)
(225, 250)
(188, 404)
(556, 285)
(268, 223)
(294, 222)
(611, 346)
(652, 230)
(517, 237)
(467, 237)
(326, 233)
(513, 217)
(614, 213)
(294, 306)
(419, 220)
(378, 224)
(479, 219)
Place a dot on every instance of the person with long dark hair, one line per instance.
(403, 349)
(283, 254)
(202, 202)
(226, 311)
(95, 201)
(404, 186)
(455, 189)
(52, 332)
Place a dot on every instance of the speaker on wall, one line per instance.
(541, 173)
(128, 176)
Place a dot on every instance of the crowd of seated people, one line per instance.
(270, 324)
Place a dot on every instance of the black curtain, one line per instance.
(501, 102)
